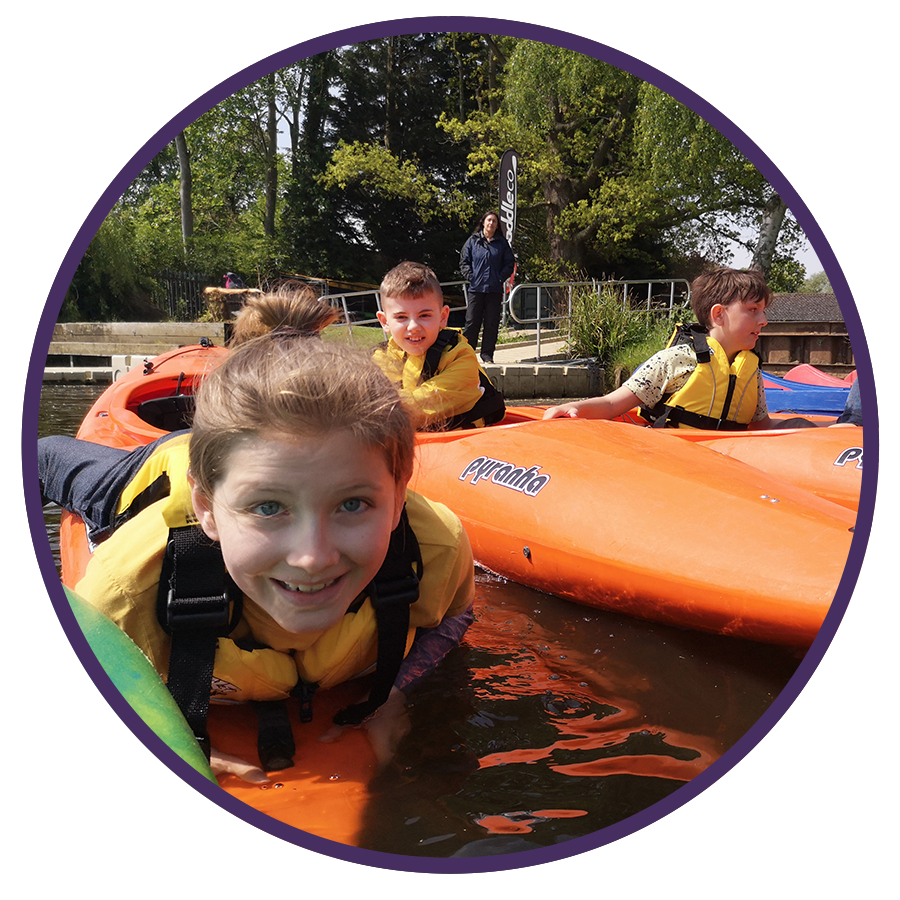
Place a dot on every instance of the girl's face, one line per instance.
(490, 226)
(304, 525)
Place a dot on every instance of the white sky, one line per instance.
(805, 255)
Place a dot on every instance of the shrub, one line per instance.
(620, 337)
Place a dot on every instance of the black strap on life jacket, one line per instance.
(665, 416)
(193, 602)
(393, 590)
(490, 408)
(197, 603)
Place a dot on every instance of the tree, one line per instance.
(111, 281)
(817, 283)
(785, 275)
(713, 194)
(393, 153)
(393, 179)
(571, 117)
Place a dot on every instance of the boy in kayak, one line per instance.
(434, 367)
(323, 565)
(713, 380)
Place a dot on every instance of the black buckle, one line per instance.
(403, 590)
(197, 613)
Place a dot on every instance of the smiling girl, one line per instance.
(295, 478)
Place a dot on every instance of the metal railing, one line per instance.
(183, 293)
(359, 307)
(552, 302)
(526, 304)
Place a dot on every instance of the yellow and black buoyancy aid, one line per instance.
(717, 395)
(489, 410)
(197, 603)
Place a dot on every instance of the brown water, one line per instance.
(551, 721)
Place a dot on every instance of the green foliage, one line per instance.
(817, 283)
(109, 271)
(390, 150)
(602, 326)
(786, 275)
(376, 170)
(711, 193)
(622, 364)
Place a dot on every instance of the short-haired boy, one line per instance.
(434, 367)
(713, 381)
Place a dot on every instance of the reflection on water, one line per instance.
(553, 721)
(550, 722)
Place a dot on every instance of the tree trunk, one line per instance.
(566, 253)
(493, 101)
(271, 158)
(769, 227)
(185, 189)
(390, 94)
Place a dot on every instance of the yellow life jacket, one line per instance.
(129, 579)
(489, 410)
(718, 395)
(453, 400)
(165, 467)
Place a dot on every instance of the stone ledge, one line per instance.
(79, 375)
(532, 382)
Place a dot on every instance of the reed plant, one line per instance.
(619, 337)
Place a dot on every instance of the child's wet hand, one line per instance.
(225, 764)
(385, 728)
(388, 727)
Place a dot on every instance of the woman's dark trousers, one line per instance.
(483, 310)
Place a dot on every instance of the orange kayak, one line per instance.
(630, 519)
(828, 462)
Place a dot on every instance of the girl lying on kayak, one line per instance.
(289, 545)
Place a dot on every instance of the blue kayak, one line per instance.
(804, 399)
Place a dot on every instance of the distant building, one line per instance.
(806, 328)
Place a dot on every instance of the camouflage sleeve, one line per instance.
(664, 373)
(430, 646)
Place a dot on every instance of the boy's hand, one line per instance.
(561, 411)
(225, 764)
(385, 728)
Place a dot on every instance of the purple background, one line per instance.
(800, 792)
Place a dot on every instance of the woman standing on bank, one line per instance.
(486, 262)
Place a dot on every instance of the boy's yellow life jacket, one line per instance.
(717, 395)
(475, 406)
(489, 410)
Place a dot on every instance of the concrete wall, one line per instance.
(127, 338)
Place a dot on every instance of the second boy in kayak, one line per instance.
(710, 381)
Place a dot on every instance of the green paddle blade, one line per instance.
(138, 682)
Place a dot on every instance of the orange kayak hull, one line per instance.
(648, 523)
(643, 524)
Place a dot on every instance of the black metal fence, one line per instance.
(184, 294)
